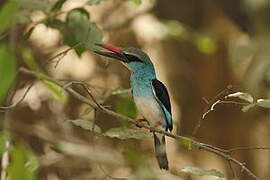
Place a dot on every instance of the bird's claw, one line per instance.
(139, 122)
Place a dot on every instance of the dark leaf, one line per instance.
(27, 35)
(56, 24)
(58, 5)
(80, 30)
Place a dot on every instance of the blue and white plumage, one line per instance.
(150, 95)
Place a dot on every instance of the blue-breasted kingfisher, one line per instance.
(150, 95)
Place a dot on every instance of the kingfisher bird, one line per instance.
(150, 95)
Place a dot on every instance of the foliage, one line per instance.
(126, 107)
(57, 92)
(87, 125)
(7, 13)
(265, 103)
(127, 133)
(7, 70)
(24, 164)
(202, 172)
(81, 33)
(79, 29)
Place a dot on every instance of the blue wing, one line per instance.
(162, 96)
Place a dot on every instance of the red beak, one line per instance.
(114, 52)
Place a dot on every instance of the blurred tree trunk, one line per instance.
(203, 75)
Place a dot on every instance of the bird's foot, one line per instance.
(158, 124)
(141, 121)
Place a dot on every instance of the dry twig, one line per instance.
(211, 106)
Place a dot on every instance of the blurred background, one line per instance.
(198, 49)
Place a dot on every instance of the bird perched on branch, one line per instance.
(150, 95)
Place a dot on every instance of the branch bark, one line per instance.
(223, 153)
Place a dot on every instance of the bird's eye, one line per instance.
(132, 58)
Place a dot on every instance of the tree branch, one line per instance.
(225, 154)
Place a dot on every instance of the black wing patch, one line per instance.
(162, 94)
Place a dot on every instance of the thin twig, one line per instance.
(109, 176)
(210, 106)
(61, 55)
(247, 148)
(233, 170)
(20, 100)
(206, 147)
(86, 88)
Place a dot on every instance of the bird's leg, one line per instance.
(140, 121)
(152, 128)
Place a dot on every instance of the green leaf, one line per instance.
(23, 166)
(3, 139)
(7, 70)
(94, 2)
(265, 103)
(80, 30)
(7, 14)
(202, 172)
(21, 18)
(30, 60)
(186, 142)
(135, 158)
(58, 92)
(55, 23)
(58, 5)
(127, 133)
(137, 1)
(126, 107)
(241, 95)
(87, 125)
(34, 5)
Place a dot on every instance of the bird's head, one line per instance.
(131, 57)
